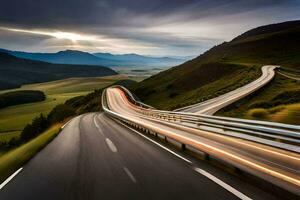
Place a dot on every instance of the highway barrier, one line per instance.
(275, 135)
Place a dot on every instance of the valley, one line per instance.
(149, 100)
(14, 118)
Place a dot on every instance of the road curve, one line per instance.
(211, 106)
(278, 166)
(96, 158)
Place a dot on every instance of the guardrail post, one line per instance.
(183, 147)
(166, 139)
(206, 156)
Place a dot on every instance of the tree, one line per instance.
(59, 113)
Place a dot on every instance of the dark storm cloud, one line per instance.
(161, 26)
(44, 13)
(74, 13)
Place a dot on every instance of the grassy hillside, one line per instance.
(272, 44)
(278, 101)
(226, 67)
(14, 118)
(174, 88)
(15, 72)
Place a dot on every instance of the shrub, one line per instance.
(288, 97)
(13, 142)
(276, 109)
(258, 113)
(261, 104)
(38, 125)
(173, 94)
(169, 86)
(59, 113)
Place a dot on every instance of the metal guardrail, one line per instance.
(132, 98)
(209, 152)
(278, 135)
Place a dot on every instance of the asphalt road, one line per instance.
(211, 106)
(96, 158)
(276, 165)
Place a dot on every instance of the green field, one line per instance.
(14, 159)
(14, 118)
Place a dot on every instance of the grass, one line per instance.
(289, 114)
(14, 118)
(7, 136)
(226, 67)
(14, 159)
(194, 86)
(276, 93)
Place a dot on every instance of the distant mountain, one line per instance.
(225, 67)
(62, 57)
(103, 59)
(135, 59)
(15, 72)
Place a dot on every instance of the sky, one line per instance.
(148, 27)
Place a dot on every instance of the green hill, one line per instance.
(226, 67)
(272, 44)
(15, 72)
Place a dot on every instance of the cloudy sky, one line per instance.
(149, 27)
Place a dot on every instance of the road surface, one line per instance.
(211, 106)
(275, 165)
(96, 158)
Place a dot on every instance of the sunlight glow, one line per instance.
(57, 34)
(86, 42)
(71, 36)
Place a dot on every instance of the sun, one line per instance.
(69, 36)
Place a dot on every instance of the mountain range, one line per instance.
(15, 72)
(102, 59)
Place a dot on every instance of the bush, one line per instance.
(13, 142)
(276, 109)
(258, 113)
(59, 113)
(41, 123)
(261, 104)
(173, 94)
(287, 97)
(38, 125)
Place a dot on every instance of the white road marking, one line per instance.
(97, 125)
(222, 184)
(165, 148)
(200, 171)
(111, 145)
(9, 178)
(129, 174)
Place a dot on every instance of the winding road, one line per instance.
(99, 157)
(211, 106)
(94, 157)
